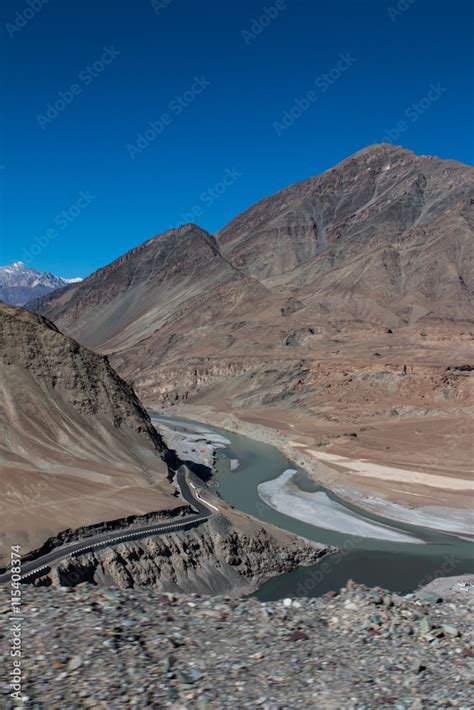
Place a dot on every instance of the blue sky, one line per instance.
(120, 120)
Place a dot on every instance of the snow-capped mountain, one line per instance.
(19, 284)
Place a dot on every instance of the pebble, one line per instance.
(425, 624)
(141, 648)
(417, 667)
(350, 605)
(450, 630)
(298, 636)
(430, 597)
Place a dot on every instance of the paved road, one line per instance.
(189, 493)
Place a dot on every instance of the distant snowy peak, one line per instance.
(19, 284)
(17, 266)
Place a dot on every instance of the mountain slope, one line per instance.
(76, 446)
(388, 228)
(18, 284)
(340, 308)
(175, 296)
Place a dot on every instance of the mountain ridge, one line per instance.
(331, 305)
(19, 284)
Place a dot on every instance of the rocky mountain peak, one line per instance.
(382, 195)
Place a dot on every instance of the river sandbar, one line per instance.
(320, 510)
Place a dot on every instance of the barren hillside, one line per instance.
(339, 309)
(76, 446)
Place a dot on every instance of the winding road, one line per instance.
(188, 491)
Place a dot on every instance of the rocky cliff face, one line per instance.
(228, 554)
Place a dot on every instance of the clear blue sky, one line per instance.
(78, 186)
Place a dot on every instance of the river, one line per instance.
(398, 566)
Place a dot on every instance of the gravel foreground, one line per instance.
(360, 648)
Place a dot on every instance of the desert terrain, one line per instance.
(335, 316)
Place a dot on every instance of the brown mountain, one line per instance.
(175, 295)
(76, 446)
(341, 305)
(385, 236)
